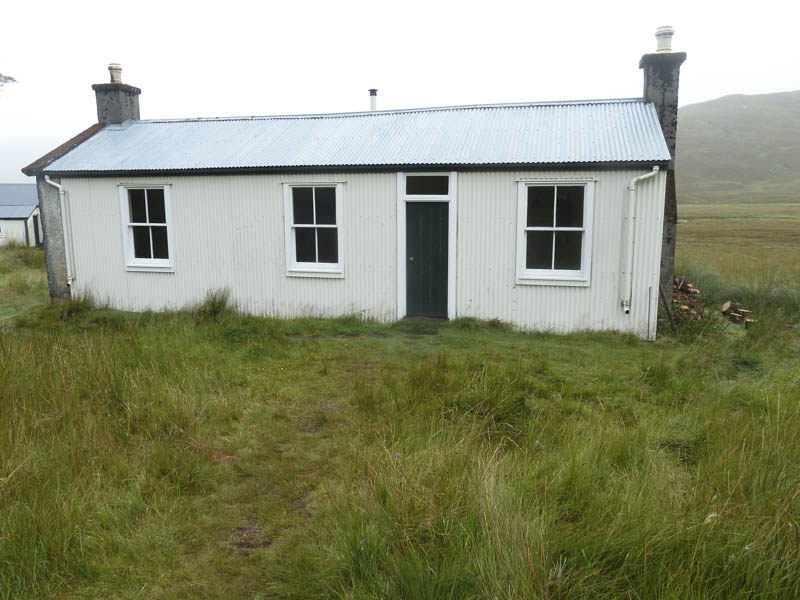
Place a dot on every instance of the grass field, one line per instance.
(23, 282)
(206, 454)
(741, 241)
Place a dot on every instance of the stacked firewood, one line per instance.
(737, 314)
(684, 297)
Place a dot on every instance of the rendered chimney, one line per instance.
(661, 76)
(373, 99)
(662, 71)
(116, 102)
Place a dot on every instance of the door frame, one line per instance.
(37, 237)
(452, 221)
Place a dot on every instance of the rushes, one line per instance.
(392, 466)
(372, 461)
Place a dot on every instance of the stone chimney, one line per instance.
(116, 101)
(661, 75)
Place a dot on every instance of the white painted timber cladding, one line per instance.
(229, 233)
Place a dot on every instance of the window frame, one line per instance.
(157, 265)
(295, 268)
(555, 277)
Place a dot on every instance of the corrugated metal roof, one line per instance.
(18, 194)
(596, 131)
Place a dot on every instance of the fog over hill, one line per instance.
(740, 149)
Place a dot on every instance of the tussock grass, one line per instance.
(216, 305)
(15, 256)
(22, 280)
(763, 291)
(243, 456)
(206, 453)
(473, 324)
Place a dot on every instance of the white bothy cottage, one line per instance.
(19, 214)
(545, 215)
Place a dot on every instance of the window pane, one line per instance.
(328, 245)
(141, 242)
(136, 201)
(160, 249)
(568, 250)
(303, 205)
(428, 185)
(305, 243)
(155, 206)
(540, 206)
(569, 206)
(326, 205)
(539, 253)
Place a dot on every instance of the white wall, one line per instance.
(228, 232)
(14, 230)
(486, 278)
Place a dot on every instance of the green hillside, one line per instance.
(740, 149)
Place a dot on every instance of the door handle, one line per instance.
(410, 259)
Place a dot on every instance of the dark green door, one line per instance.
(426, 259)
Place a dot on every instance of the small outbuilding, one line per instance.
(19, 214)
(547, 215)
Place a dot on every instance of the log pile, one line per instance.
(736, 314)
(684, 298)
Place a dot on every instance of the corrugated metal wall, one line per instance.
(228, 232)
(486, 279)
(14, 230)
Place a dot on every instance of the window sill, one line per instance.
(323, 273)
(150, 268)
(553, 281)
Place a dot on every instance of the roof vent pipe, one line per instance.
(116, 72)
(373, 99)
(664, 39)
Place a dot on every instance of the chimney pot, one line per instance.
(664, 38)
(116, 72)
(373, 99)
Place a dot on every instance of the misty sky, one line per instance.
(204, 59)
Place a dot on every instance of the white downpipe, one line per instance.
(62, 193)
(631, 239)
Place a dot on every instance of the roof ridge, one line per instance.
(390, 112)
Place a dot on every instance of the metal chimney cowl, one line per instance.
(664, 38)
(115, 69)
